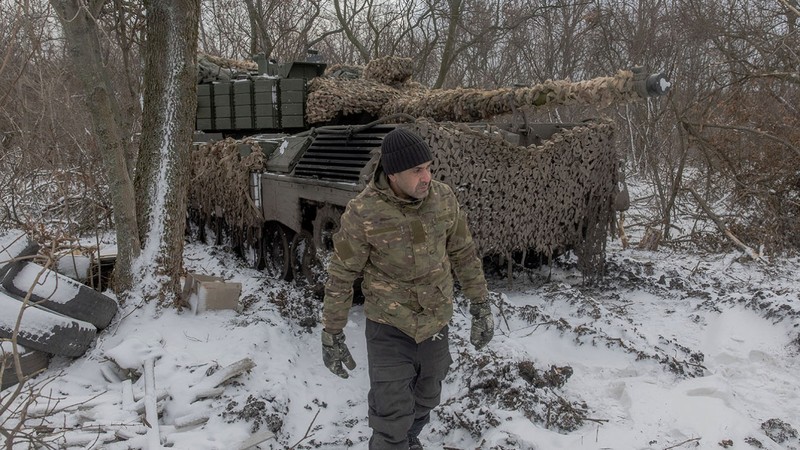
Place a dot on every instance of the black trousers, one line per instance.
(405, 383)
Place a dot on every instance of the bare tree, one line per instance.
(149, 215)
(280, 29)
(78, 20)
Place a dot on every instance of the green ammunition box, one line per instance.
(242, 87)
(243, 122)
(223, 123)
(204, 124)
(222, 100)
(204, 101)
(292, 96)
(265, 110)
(265, 122)
(242, 99)
(243, 111)
(264, 85)
(293, 84)
(262, 98)
(222, 111)
(292, 109)
(222, 88)
(203, 112)
(292, 121)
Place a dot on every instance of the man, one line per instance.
(404, 233)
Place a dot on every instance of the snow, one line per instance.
(46, 283)
(670, 350)
(133, 352)
(12, 243)
(7, 348)
(74, 266)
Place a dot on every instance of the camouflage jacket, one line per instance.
(405, 250)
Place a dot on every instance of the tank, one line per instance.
(282, 148)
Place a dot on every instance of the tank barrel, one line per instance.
(466, 105)
(653, 85)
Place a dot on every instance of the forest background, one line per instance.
(97, 100)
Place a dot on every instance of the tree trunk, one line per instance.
(260, 41)
(167, 126)
(449, 52)
(83, 46)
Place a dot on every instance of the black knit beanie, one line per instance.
(401, 150)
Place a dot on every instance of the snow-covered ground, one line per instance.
(669, 350)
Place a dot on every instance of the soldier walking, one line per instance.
(406, 234)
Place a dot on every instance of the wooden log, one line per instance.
(151, 412)
(210, 386)
(256, 439)
(190, 420)
(127, 395)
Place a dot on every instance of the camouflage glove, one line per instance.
(335, 352)
(482, 324)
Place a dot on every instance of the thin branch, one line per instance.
(749, 130)
(790, 7)
(308, 431)
(697, 439)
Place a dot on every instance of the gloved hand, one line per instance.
(482, 324)
(335, 352)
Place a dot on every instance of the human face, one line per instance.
(412, 183)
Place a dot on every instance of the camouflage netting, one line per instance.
(547, 198)
(389, 70)
(386, 89)
(343, 71)
(220, 183)
(214, 68)
(330, 97)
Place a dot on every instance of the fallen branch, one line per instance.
(51, 406)
(151, 411)
(127, 395)
(697, 439)
(190, 420)
(308, 432)
(210, 387)
(140, 405)
(200, 394)
(256, 439)
(724, 229)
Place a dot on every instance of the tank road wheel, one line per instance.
(252, 251)
(326, 223)
(276, 251)
(305, 264)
